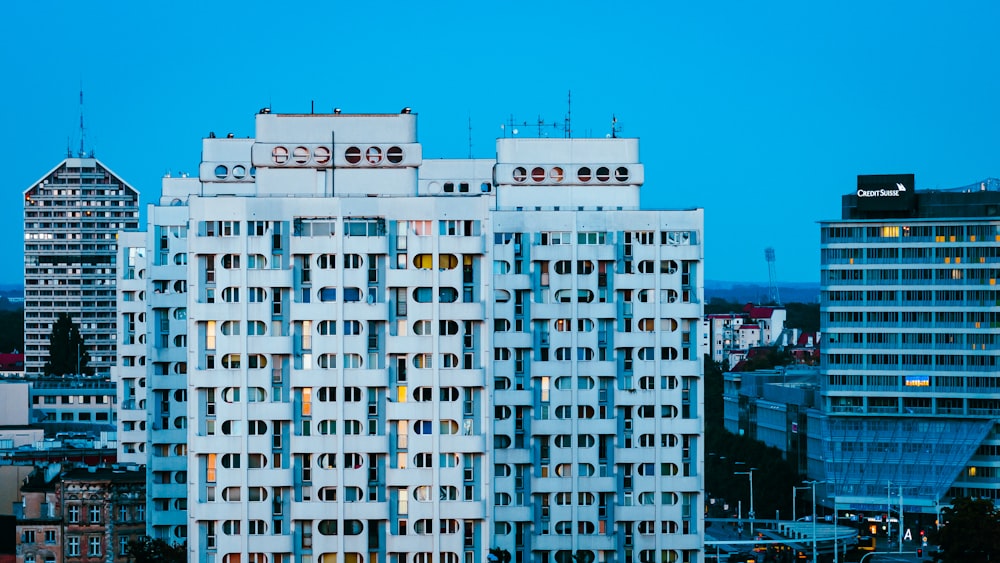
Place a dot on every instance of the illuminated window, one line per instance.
(306, 401)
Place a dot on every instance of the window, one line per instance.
(73, 546)
(557, 237)
(94, 545)
(74, 513)
(591, 238)
(357, 227)
(231, 294)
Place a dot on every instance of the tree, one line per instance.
(11, 330)
(773, 473)
(499, 555)
(149, 550)
(803, 316)
(67, 352)
(971, 532)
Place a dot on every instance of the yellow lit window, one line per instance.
(423, 261)
(307, 401)
(210, 468)
(210, 335)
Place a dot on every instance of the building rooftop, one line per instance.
(980, 200)
(104, 474)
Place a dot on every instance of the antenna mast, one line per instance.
(470, 136)
(82, 130)
(567, 130)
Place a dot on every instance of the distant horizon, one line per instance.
(13, 286)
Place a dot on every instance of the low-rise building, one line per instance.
(731, 335)
(777, 407)
(80, 515)
(39, 537)
(73, 403)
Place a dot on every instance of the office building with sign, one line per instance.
(911, 339)
(370, 356)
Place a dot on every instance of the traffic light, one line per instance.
(920, 552)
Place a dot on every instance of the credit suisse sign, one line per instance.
(886, 192)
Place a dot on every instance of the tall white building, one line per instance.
(72, 215)
(369, 356)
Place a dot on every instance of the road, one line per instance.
(910, 557)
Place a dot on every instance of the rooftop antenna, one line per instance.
(470, 135)
(567, 130)
(82, 153)
(615, 128)
(509, 127)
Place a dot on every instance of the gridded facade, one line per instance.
(596, 380)
(413, 361)
(911, 329)
(129, 374)
(151, 374)
(71, 218)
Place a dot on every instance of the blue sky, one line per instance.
(761, 113)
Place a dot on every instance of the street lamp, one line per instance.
(812, 485)
(750, 514)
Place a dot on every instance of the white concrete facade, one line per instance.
(392, 359)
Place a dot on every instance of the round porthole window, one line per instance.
(300, 155)
(583, 174)
(603, 174)
(279, 155)
(352, 155)
(321, 155)
(538, 173)
(394, 155)
(621, 174)
(520, 174)
(373, 155)
(239, 171)
(221, 171)
(556, 174)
